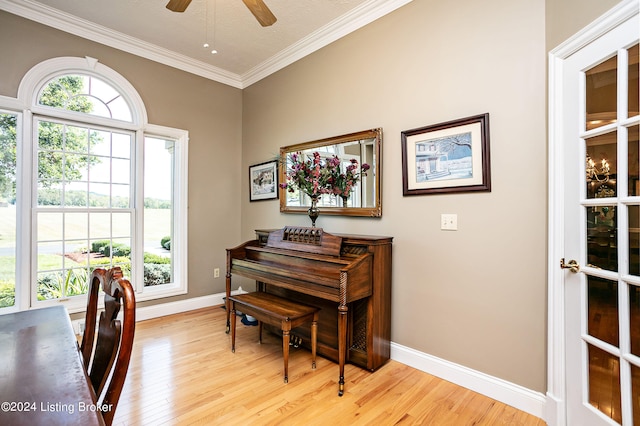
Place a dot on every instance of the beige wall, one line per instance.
(210, 111)
(475, 296)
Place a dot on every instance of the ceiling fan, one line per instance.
(257, 7)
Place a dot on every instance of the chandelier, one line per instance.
(593, 173)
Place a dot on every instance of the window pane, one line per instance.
(121, 145)
(76, 227)
(75, 194)
(76, 139)
(120, 110)
(50, 135)
(99, 169)
(49, 255)
(158, 210)
(50, 226)
(121, 224)
(121, 171)
(100, 143)
(49, 193)
(8, 131)
(99, 226)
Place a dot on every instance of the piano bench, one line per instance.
(279, 312)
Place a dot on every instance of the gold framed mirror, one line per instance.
(365, 199)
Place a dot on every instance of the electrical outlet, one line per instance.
(449, 222)
(216, 273)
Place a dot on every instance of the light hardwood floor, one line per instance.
(183, 372)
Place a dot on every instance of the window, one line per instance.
(104, 188)
(8, 133)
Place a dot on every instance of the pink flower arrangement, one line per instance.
(342, 183)
(316, 176)
(308, 176)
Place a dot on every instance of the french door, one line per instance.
(599, 183)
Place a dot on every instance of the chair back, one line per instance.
(108, 355)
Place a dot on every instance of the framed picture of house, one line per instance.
(447, 157)
(263, 181)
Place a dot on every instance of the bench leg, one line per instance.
(233, 327)
(259, 331)
(285, 353)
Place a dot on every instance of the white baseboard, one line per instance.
(170, 308)
(508, 393)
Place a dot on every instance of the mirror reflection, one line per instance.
(358, 152)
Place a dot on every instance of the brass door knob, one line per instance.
(572, 265)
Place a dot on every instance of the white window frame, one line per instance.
(25, 106)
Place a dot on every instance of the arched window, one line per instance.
(85, 94)
(105, 188)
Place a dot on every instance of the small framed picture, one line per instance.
(447, 157)
(263, 181)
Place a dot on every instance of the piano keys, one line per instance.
(347, 276)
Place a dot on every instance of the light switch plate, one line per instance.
(449, 222)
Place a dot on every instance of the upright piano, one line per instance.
(347, 276)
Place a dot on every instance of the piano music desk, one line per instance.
(279, 312)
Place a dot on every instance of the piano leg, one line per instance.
(285, 353)
(227, 304)
(342, 345)
(314, 338)
(233, 329)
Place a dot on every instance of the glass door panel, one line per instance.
(632, 79)
(602, 247)
(603, 310)
(634, 240)
(635, 386)
(604, 383)
(632, 167)
(601, 94)
(601, 165)
(634, 320)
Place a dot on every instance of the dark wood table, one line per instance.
(42, 379)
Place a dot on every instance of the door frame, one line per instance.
(556, 407)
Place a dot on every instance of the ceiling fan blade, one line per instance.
(261, 12)
(178, 5)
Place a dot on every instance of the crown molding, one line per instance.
(340, 27)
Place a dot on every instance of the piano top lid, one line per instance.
(307, 239)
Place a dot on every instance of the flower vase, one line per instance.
(314, 211)
(344, 200)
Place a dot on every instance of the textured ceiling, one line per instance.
(246, 50)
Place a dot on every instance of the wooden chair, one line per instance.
(108, 355)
